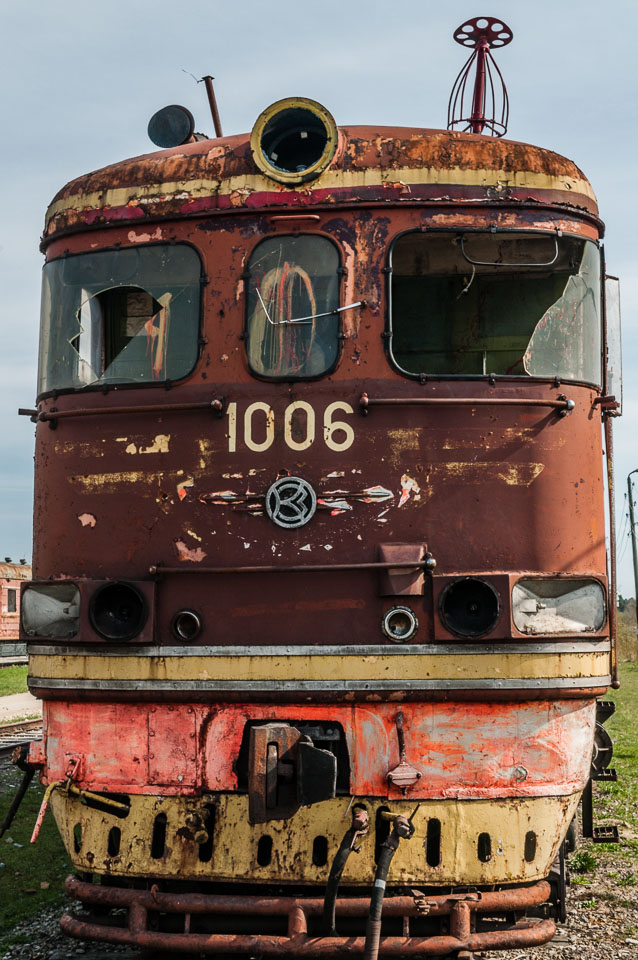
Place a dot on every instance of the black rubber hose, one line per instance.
(336, 870)
(373, 926)
(13, 809)
(360, 824)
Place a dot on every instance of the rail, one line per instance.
(429, 563)
(42, 416)
(16, 734)
(562, 404)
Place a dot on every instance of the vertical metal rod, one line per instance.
(478, 112)
(632, 527)
(208, 83)
(613, 589)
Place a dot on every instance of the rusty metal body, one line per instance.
(420, 483)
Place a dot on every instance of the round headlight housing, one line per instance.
(118, 611)
(294, 140)
(469, 607)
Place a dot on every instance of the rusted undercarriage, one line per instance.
(465, 922)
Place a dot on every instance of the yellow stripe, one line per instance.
(144, 194)
(336, 668)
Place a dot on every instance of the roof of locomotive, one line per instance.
(371, 165)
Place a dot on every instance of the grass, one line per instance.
(31, 876)
(13, 680)
(627, 636)
(619, 801)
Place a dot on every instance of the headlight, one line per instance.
(294, 140)
(558, 606)
(50, 610)
(118, 611)
(469, 607)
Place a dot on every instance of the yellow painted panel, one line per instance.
(317, 667)
(235, 840)
(331, 179)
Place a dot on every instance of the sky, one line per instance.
(79, 82)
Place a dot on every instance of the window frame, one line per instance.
(106, 387)
(424, 376)
(340, 335)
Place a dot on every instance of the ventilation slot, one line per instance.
(77, 838)
(433, 843)
(320, 852)
(158, 841)
(530, 846)
(113, 843)
(381, 831)
(264, 851)
(484, 847)
(206, 848)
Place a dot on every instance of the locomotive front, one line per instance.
(320, 538)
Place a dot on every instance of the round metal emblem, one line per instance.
(291, 502)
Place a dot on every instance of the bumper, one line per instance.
(461, 910)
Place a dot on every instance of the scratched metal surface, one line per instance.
(488, 489)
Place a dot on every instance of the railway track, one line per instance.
(14, 734)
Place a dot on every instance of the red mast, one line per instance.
(489, 103)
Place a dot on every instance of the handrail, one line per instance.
(42, 416)
(429, 563)
(562, 404)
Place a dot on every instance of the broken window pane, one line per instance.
(119, 316)
(508, 304)
(292, 291)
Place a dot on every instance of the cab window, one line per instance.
(119, 316)
(496, 303)
(292, 329)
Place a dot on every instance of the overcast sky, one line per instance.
(80, 81)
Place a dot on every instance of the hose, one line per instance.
(402, 827)
(360, 822)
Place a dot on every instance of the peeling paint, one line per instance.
(87, 519)
(135, 237)
(184, 486)
(409, 486)
(112, 482)
(185, 553)
(159, 444)
(403, 441)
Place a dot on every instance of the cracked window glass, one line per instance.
(122, 316)
(293, 291)
(510, 304)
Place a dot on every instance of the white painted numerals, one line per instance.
(259, 426)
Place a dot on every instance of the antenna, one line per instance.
(486, 103)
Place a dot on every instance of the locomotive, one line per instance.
(321, 612)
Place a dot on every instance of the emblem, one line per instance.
(291, 502)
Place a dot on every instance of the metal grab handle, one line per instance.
(491, 263)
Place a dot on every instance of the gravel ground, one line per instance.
(45, 942)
